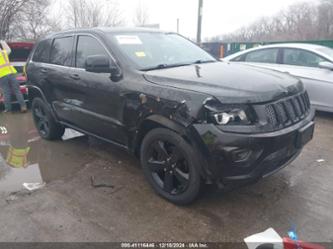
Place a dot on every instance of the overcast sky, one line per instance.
(219, 16)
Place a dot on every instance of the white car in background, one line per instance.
(313, 64)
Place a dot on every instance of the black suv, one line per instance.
(189, 118)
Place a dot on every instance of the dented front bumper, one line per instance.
(233, 157)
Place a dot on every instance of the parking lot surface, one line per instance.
(96, 192)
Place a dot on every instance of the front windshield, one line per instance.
(148, 50)
(327, 51)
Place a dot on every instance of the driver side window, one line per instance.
(300, 57)
(87, 46)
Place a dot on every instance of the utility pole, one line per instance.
(199, 21)
(178, 25)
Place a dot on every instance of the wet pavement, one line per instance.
(26, 158)
(96, 192)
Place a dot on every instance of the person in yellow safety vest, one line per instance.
(17, 149)
(18, 158)
(8, 82)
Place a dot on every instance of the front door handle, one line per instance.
(75, 77)
(43, 70)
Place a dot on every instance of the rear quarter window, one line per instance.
(42, 52)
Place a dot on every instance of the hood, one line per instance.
(228, 82)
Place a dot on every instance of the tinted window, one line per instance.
(300, 57)
(87, 46)
(61, 52)
(263, 56)
(42, 52)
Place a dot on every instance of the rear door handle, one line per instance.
(75, 77)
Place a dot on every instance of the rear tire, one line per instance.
(46, 125)
(171, 166)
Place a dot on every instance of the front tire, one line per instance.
(171, 166)
(46, 125)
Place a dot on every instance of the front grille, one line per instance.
(288, 111)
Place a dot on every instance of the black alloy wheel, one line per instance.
(171, 166)
(47, 127)
(168, 167)
(42, 123)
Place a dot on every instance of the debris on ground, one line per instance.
(100, 183)
(11, 198)
(33, 186)
(271, 239)
(15, 195)
(269, 236)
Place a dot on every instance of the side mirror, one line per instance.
(326, 65)
(97, 64)
(100, 64)
(103, 64)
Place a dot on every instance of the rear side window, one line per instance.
(42, 52)
(300, 57)
(61, 51)
(87, 46)
(263, 56)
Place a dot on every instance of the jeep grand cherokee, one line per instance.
(189, 118)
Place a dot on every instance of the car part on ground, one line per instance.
(270, 239)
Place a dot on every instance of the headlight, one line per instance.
(229, 114)
(236, 116)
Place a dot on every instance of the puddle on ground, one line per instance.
(26, 158)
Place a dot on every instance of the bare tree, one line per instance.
(301, 21)
(325, 17)
(32, 21)
(89, 13)
(29, 19)
(8, 10)
(112, 14)
(141, 15)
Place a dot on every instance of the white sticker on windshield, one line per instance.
(128, 39)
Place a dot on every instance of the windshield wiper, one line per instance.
(164, 66)
(203, 61)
